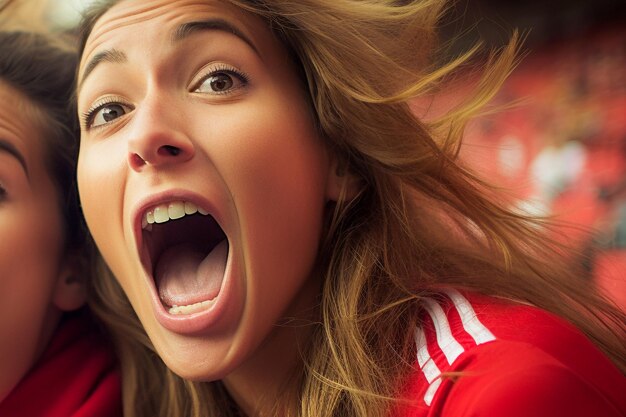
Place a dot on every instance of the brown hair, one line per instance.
(422, 221)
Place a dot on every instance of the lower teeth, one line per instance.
(189, 309)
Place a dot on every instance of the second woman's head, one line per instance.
(41, 255)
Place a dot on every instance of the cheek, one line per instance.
(276, 168)
(91, 201)
(31, 246)
(270, 149)
(30, 250)
(100, 186)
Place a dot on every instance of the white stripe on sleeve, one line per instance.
(429, 367)
(450, 347)
(431, 391)
(427, 364)
(472, 325)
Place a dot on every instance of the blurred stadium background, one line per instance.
(562, 149)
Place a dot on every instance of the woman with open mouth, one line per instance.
(293, 240)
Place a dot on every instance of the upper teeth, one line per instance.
(170, 211)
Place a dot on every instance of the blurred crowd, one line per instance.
(561, 145)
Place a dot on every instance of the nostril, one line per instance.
(169, 150)
(137, 160)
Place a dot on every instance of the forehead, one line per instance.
(20, 121)
(149, 20)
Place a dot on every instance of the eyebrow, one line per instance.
(110, 55)
(7, 147)
(183, 31)
(186, 29)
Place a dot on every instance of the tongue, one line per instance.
(185, 275)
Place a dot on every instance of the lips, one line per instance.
(184, 250)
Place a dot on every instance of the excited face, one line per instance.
(202, 177)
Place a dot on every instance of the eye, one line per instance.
(107, 113)
(104, 111)
(223, 81)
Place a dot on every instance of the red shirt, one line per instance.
(75, 377)
(509, 360)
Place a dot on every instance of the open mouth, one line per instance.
(186, 252)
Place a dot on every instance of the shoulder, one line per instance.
(525, 388)
(76, 376)
(482, 354)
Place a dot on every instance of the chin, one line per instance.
(199, 358)
(196, 370)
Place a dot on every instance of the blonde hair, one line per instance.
(422, 221)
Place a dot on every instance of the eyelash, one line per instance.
(226, 69)
(88, 116)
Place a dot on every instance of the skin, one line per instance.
(252, 153)
(34, 269)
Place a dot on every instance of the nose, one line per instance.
(158, 138)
